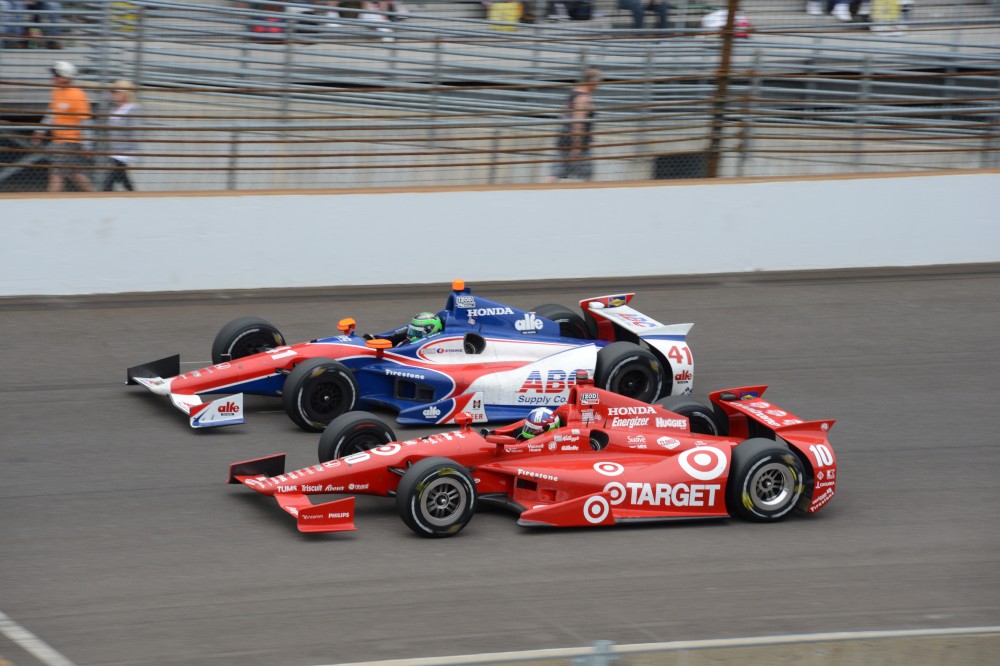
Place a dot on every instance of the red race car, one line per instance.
(607, 460)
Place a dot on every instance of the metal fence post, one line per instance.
(746, 140)
(435, 93)
(234, 157)
(601, 656)
(647, 95)
(722, 93)
(140, 46)
(864, 93)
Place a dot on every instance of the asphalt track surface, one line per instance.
(122, 543)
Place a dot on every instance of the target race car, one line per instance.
(491, 360)
(612, 460)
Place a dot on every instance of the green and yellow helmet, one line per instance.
(422, 325)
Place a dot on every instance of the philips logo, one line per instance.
(529, 323)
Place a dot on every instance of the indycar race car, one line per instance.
(491, 360)
(612, 460)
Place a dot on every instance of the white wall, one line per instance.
(68, 244)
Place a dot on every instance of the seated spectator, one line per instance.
(45, 15)
(659, 7)
(12, 24)
(368, 9)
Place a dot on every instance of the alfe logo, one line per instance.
(529, 323)
(683, 376)
(229, 408)
(432, 412)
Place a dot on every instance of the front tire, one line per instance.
(702, 419)
(317, 391)
(628, 369)
(436, 497)
(353, 432)
(571, 325)
(245, 336)
(766, 481)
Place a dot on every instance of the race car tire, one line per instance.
(702, 419)
(571, 325)
(317, 391)
(766, 481)
(245, 336)
(628, 369)
(353, 432)
(436, 497)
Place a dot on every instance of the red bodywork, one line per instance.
(649, 465)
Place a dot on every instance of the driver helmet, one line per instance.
(422, 325)
(540, 419)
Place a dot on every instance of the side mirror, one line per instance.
(346, 326)
(464, 420)
(379, 345)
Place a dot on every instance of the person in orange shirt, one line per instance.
(69, 107)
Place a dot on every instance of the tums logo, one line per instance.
(229, 408)
(529, 323)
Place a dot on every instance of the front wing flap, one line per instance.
(334, 516)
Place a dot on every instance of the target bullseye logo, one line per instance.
(617, 492)
(608, 468)
(596, 509)
(703, 463)
(387, 449)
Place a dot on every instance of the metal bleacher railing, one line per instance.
(251, 95)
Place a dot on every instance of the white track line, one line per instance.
(638, 648)
(31, 643)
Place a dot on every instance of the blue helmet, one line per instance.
(540, 419)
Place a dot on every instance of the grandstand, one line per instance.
(450, 98)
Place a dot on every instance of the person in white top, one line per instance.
(123, 144)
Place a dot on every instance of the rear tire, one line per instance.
(571, 325)
(244, 337)
(317, 391)
(703, 419)
(353, 432)
(436, 497)
(766, 481)
(629, 370)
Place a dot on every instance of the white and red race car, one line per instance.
(491, 360)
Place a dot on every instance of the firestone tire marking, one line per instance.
(698, 462)
(596, 509)
(608, 468)
(387, 449)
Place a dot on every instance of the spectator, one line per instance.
(841, 9)
(45, 15)
(12, 19)
(368, 9)
(122, 135)
(659, 7)
(575, 140)
(69, 109)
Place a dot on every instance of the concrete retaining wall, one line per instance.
(107, 244)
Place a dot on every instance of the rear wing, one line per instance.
(612, 314)
(747, 401)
